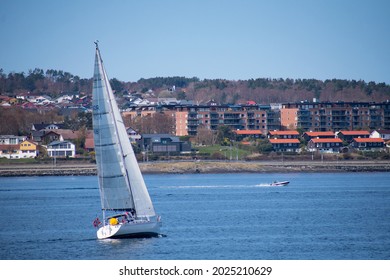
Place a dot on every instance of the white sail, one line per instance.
(121, 184)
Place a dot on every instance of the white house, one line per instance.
(11, 139)
(64, 99)
(61, 149)
(10, 151)
(41, 100)
(381, 133)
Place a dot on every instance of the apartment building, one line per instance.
(333, 116)
(237, 117)
(306, 116)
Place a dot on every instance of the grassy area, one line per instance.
(227, 152)
(18, 161)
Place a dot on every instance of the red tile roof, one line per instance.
(326, 140)
(251, 102)
(368, 140)
(354, 132)
(284, 141)
(319, 133)
(89, 143)
(9, 147)
(283, 132)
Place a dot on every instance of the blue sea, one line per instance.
(318, 216)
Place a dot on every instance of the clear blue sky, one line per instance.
(232, 39)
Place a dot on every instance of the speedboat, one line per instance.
(282, 183)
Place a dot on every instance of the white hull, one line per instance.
(132, 229)
(284, 183)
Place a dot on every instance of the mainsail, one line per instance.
(121, 184)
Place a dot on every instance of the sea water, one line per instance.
(320, 216)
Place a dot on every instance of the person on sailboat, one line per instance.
(113, 221)
(129, 217)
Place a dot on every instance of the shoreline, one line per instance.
(191, 167)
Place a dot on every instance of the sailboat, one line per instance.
(127, 207)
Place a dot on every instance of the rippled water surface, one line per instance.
(205, 216)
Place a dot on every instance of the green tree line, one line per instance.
(54, 82)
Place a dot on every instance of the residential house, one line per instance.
(325, 145)
(41, 100)
(29, 106)
(317, 134)
(285, 145)
(28, 149)
(381, 133)
(51, 136)
(348, 136)
(368, 144)
(163, 143)
(46, 126)
(37, 136)
(167, 101)
(89, 145)
(11, 139)
(10, 151)
(24, 149)
(283, 134)
(64, 99)
(138, 101)
(22, 96)
(133, 135)
(73, 135)
(6, 101)
(61, 149)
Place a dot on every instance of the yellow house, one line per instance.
(28, 149)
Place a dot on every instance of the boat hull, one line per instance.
(284, 183)
(129, 230)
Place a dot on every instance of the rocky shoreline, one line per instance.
(187, 167)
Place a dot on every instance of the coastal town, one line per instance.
(168, 126)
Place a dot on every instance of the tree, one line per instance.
(154, 123)
(16, 121)
(224, 135)
(116, 85)
(181, 95)
(205, 136)
(264, 146)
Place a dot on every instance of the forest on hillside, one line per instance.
(261, 90)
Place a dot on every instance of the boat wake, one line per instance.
(272, 184)
(211, 187)
(264, 185)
